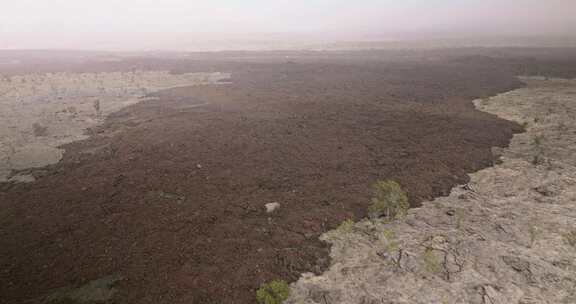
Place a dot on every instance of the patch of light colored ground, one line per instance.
(40, 112)
(509, 236)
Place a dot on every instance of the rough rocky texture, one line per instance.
(40, 112)
(171, 195)
(505, 237)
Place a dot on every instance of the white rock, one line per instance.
(271, 207)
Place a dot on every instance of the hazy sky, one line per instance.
(27, 18)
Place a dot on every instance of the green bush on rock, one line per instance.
(389, 201)
(346, 225)
(274, 292)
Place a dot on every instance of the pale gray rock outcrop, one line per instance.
(503, 238)
(41, 112)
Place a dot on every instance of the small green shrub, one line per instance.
(389, 201)
(391, 243)
(537, 140)
(346, 225)
(274, 292)
(431, 261)
(570, 238)
(534, 233)
(388, 234)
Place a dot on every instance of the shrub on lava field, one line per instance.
(274, 292)
(570, 238)
(537, 141)
(431, 261)
(346, 225)
(389, 200)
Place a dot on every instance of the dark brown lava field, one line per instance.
(170, 196)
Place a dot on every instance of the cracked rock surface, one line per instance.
(508, 236)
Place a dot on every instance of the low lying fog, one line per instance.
(193, 24)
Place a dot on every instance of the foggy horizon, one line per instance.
(230, 24)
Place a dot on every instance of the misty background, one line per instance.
(281, 24)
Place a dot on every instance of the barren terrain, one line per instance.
(507, 236)
(40, 112)
(168, 200)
